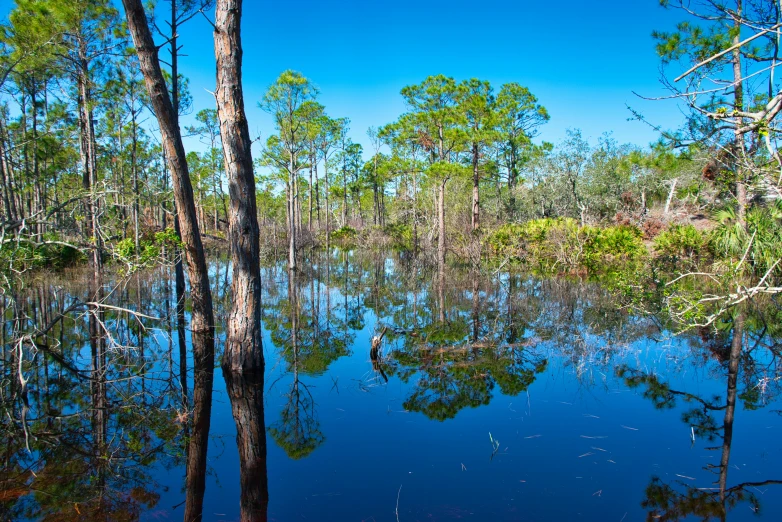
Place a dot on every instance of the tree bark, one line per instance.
(291, 214)
(738, 105)
(202, 317)
(243, 350)
(441, 224)
(476, 209)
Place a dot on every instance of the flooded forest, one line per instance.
(441, 317)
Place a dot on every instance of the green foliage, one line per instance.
(345, 235)
(150, 249)
(680, 243)
(401, 235)
(759, 244)
(614, 243)
(49, 253)
(562, 244)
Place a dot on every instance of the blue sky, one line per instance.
(582, 59)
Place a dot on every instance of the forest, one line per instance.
(106, 198)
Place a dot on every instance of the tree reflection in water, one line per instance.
(245, 391)
(679, 500)
(83, 443)
(104, 434)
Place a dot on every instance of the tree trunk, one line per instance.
(134, 171)
(476, 217)
(317, 196)
(243, 351)
(670, 196)
(738, 105)
(441, 223)
(344, 194)
(309, 222)
(202, 317)
(326, 196)
(291, 215)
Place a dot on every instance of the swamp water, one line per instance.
(494, 397)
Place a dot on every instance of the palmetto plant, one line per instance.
(754, 249)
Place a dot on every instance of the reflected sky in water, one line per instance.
(492, 397)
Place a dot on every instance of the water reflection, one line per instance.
(114, 432)
(245, 391)
(92, 416)
(678, 500)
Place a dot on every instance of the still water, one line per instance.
(493, 397)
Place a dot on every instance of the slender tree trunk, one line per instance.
(291, 215)
(671, 192)
(297, 203)
(179, 270)
(311, 199)
(441, 223)
(326, 192)
(317, 195)
(738, 105)
(512, 177)
(243, 351)
(475, 184)
(344, 194)
(9, 195)
(415, 211)
(202, 317)
(441, 206)
(134, 173)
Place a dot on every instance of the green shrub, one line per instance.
(554, 244)
(346, 236)
(150, 248)
(760, 242)
(620, 242)
(680, 243)
(401, 235)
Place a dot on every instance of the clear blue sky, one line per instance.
(582, 59)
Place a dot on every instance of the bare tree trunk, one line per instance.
(326, 192)
(476, 209)
(202, 317)
(415, 210)
(738, 105)
(291, 215)
(243, 350)
(670, 196)
(344, 194)
(441, 224)
(311, 201)
(317, 195)
(134, 170)
(9, 198)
